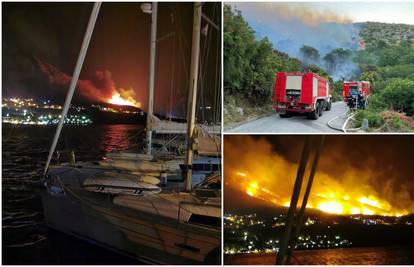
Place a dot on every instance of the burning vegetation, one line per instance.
(99, 89)
(257, 170)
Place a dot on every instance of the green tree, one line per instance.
(249, 64)
(337, 89)
(381, 44)
(336, 57)
(371, 76)
(309, 54)
(239, 46)
(399, 95)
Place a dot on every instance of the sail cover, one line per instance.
(173, 127)
(205, 143)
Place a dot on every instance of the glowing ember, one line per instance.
(117, 99)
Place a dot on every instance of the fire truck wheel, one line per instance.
(320, 109)
(328, 105)
(314, 115)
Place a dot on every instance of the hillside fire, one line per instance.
(117, 99)
(259, 172)
(99, 89)
(329, 202)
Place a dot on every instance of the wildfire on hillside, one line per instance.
(124, 98)
(100, 88)
(257, 171)
(333, 201)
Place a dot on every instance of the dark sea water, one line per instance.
(342, 256)
(25, 237)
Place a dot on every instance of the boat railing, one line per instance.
(65, 156)
(55, 186)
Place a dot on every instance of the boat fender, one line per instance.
(150, 180)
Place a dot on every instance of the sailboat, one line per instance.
(131, 202)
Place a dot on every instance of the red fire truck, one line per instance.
(356, 93)
(297, 92)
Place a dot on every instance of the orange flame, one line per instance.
(329, 203)
(117, 99)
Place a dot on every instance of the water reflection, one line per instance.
(343, 256)
(120, 137)
(24, 153)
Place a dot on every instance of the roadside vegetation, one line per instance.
(249, 69)
(388, 63)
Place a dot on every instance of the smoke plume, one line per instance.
(295, 11)
(101, 88)
(348, 183)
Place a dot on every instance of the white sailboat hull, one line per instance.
(140, 235)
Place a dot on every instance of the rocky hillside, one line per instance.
(387, 34)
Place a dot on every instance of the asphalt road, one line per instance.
(295, 124)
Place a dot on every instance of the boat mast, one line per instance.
(192, 93)
(301, 215)
(290, 217)
(74, 81)
(154, 14)
(293, 224)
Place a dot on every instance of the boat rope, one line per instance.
(203, 70)
(217, 91)
(74, 81)
(183, 46)
(172, 84)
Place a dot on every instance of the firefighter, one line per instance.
(352, 101)
(361, 101)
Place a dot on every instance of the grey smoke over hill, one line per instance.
(289, 26)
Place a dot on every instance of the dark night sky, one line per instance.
(53, 32)
(389, 158)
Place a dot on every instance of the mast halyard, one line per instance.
(154, 14)
(192, 94)
(74, 81)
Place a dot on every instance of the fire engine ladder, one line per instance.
(295, 221)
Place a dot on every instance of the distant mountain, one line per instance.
(373, 32)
